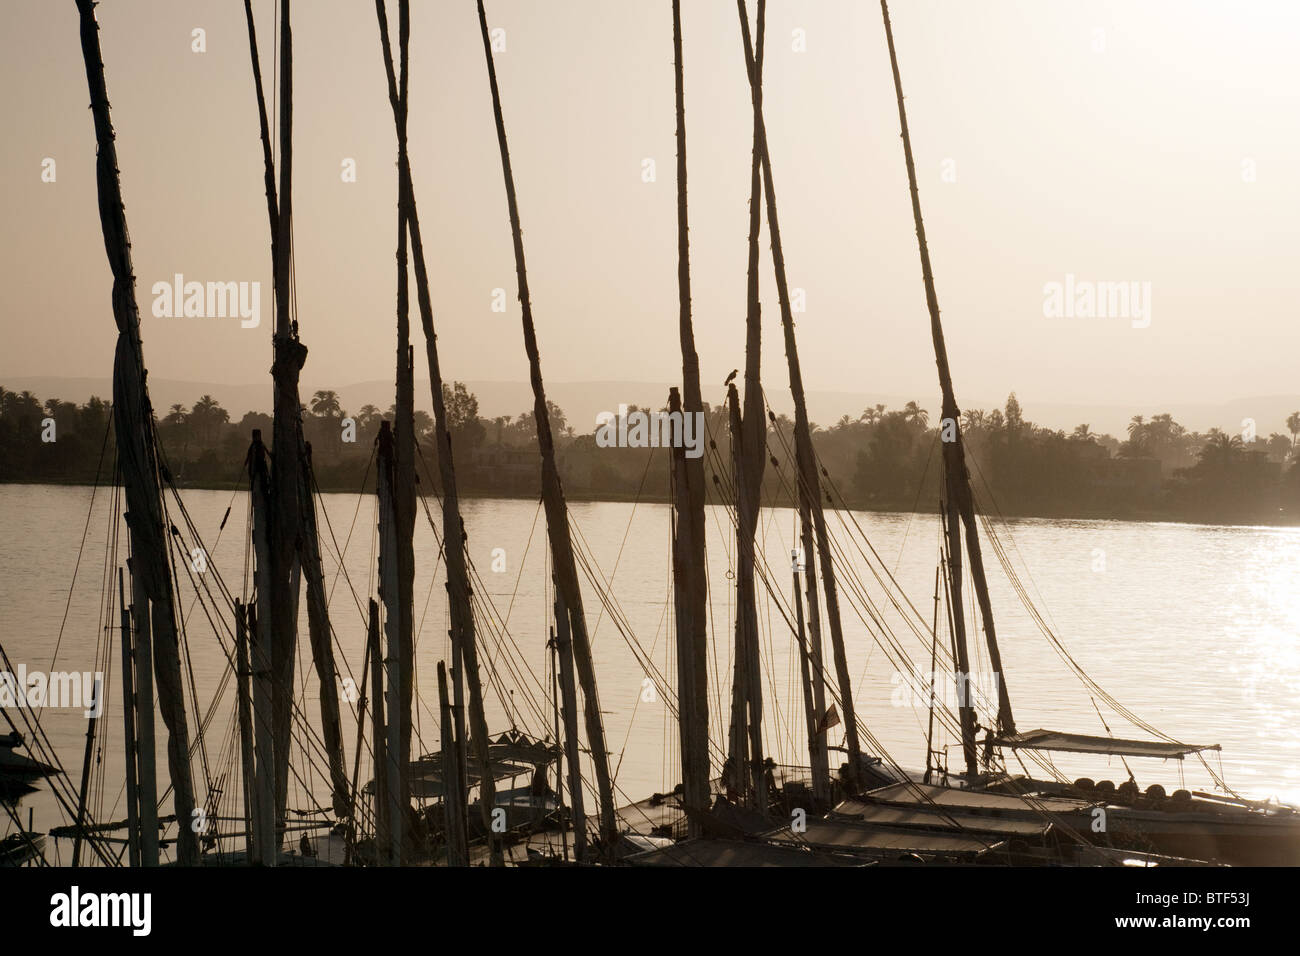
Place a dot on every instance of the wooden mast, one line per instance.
(753, 438)
(820, 794)
(459, 592)
(557, 516)
(404, 452)
(243, 672)
(390, 593)
(286, 442)
(378, 735)
(563, 642)
(321, 636)
(136, 446)
(819, 759)
(144, 719)
(128, 729)
(265, 843)
(809, 484)
(692, 599)
(308, 555)
(92, 725)
(453, 798)
(553, 646)
(747, 721)
(960, 498)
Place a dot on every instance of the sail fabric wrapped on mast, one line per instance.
(133, 426)
(1109, 746)
(289, 356)
(689, 527)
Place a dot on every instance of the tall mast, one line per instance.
(404, 450)
(128, 729)
(692, 601)
(820, 757)
(265, 844)
(568, 703)
(452, 797)
(88, 754)
(286, 443)
(821, 792)
(321, 635)
(955, 471)
(747, 721)
(244, 711)
(146, 748)
(379, 747)
(557, 515)
(389, 592)
(308, 550)
(809, 484)
(453, 526)
(136, 445)
(751, 435)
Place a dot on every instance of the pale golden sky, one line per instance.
(1123, 163)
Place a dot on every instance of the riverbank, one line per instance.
(1248, 519)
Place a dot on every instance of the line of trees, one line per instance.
(884, 459)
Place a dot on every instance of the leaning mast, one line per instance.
(137, 449)
(464, 643)
(805, 459)
(557, 516)
(957, 477)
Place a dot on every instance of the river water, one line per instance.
(1195, 629)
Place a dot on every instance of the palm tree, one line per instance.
(915, 414)
(1139, 439)
(1082, 433)
(175, 416)
(501, 422)
(206, 415)
(28, 403)
(1293, 426)
(1220, 450)
(872, 415)
(325, 404)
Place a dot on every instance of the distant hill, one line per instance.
(582, 401)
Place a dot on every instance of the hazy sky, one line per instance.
(1115, 141)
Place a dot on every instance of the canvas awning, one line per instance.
(708, 852)
(1110, 746)
(925, 818)
(877, 841)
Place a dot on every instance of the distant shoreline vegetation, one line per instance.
(883, 460)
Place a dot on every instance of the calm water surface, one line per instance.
(1196, 629)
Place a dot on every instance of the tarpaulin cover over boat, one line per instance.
(1085, 744)
(975, 801)
(878, 841)
(926, 818)
(706, 852)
